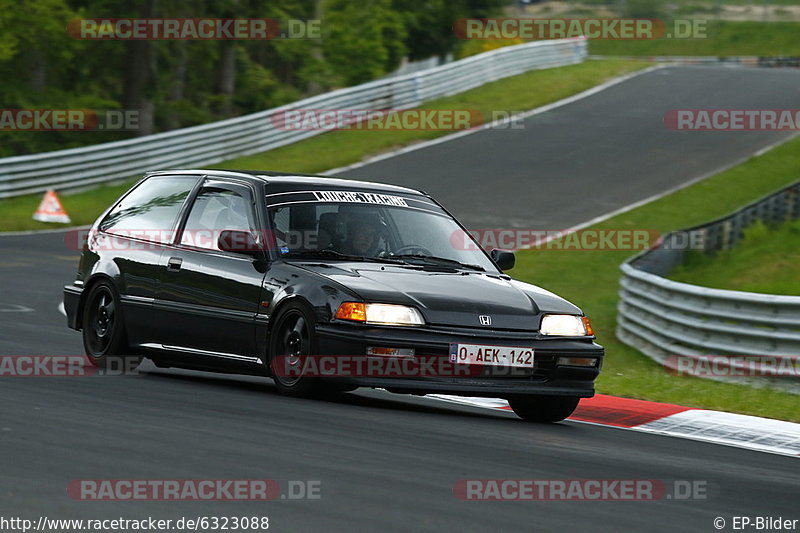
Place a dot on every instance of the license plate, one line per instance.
(486, 354)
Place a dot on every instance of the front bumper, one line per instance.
(545, 378)
(72, 299)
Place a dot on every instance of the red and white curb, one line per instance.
(730, 429)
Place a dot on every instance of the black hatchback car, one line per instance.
(323, 284)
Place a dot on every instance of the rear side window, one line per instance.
(216, 210)
(150, 211)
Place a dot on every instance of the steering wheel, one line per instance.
(412, 249)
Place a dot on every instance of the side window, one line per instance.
(216, 210)
(304, 226)
(280, 219)
(151, 209)
(281, 224)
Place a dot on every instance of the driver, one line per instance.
(362, 232)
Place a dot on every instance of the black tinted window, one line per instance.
(151, 210)
(367, 230)
(216, 210)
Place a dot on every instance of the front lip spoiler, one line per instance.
(465, 388)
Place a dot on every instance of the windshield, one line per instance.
(419, 233)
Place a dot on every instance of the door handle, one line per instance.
(174, 264)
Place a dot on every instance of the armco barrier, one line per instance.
(744, 61)
(211, 143)
(666, 319)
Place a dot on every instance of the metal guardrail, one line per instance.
(412, 67)
(211, 143)
(744, 61)
(681, 325)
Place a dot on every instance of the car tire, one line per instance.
(293, 337)
(543, 408)
(104, 333)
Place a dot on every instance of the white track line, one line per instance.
(41, 231)
(658, 196)
(453, 136)
(15, 308)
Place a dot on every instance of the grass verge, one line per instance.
(591, 279)
(339, 148)
(724, 38)
(767, 260)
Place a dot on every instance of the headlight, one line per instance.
(384, 314)
(566, 326)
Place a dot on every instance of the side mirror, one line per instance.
(239, 242)
(504, 259)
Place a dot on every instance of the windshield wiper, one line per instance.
(333, 254)
(438, 261)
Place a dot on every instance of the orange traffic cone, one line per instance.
(51, 210)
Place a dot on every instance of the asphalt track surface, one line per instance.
(385, 462)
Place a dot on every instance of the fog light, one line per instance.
(389, 352)
(577, 361)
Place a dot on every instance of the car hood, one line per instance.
(450, 297)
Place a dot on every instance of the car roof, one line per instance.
(291, 180)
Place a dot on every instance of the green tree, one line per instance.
(180, 83)
(430, 23)
(362, 40)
